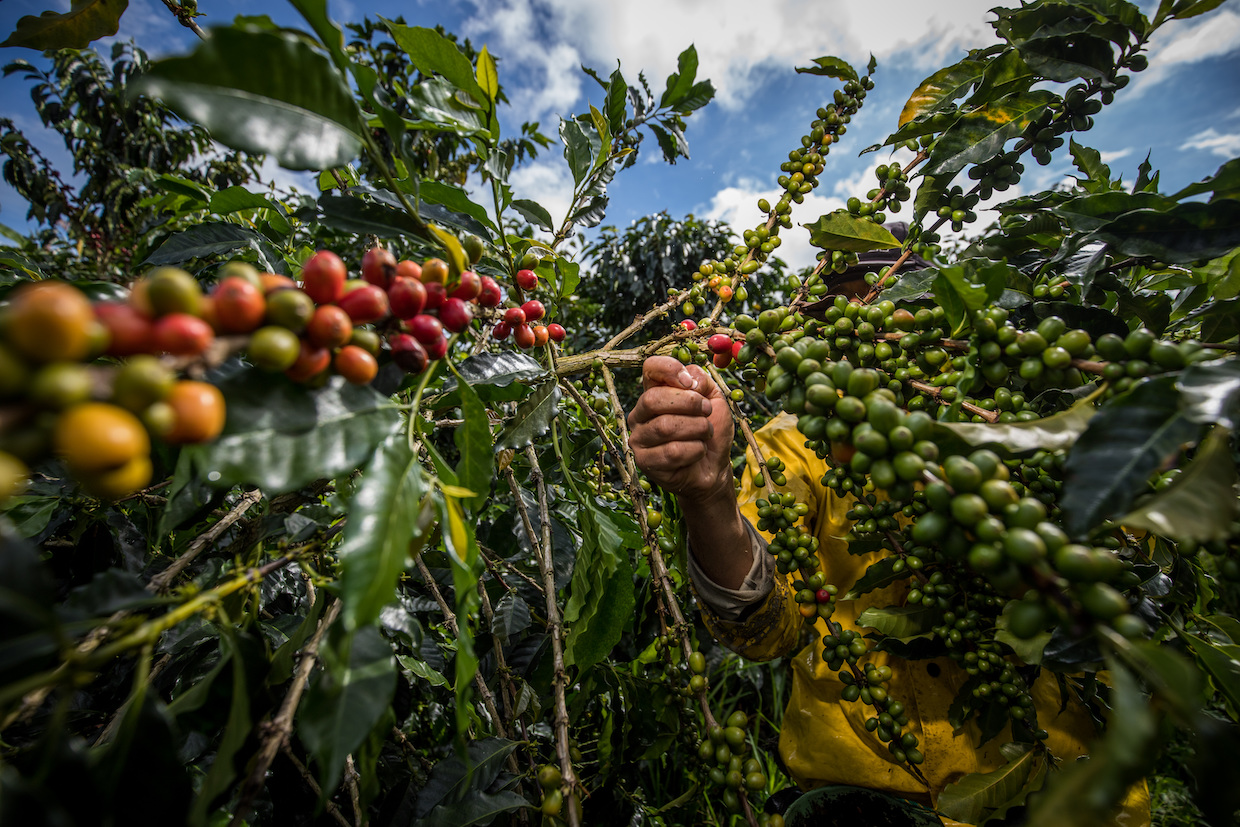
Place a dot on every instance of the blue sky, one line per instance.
(1184, 111)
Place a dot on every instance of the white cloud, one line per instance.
(1189, 41)
(1225, 146)
(737, 42)
(548, 183)
(1110, 157)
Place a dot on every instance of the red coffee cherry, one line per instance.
(534, 310)
(556, 332)
(323, 277)
(378, 267)
(527, 279)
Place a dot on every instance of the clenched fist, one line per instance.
(681, 430)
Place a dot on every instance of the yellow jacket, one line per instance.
(824, 739)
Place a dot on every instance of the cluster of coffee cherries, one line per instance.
(92, 383)
(726, 750)
(523, 321)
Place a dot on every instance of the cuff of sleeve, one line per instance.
(732, 604)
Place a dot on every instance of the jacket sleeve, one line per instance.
(771, 628)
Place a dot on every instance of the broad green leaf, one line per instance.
(877, 576)
(1187, 232)
(1200, 504)
(604, 132)
(283, 659)
(681, 81)
(436, 105)
(535, 213)
(841, 231)
(1052, 433)
(208, 241)
(911, 285)
(899, 621)
(1007, 74)
(86, 21)
(486, 75)
(455, 199)
(969, 798)
(832, 67)
(479, 808)
(263, 92)
(385, 517)
(979, 134)
(502, 376)
(577, 149)
(1224, 183)
(353, 214)
(1089, 161)
(568, 275)
(1222, 663)
(600, 598)
(453, 781)
(183, 186)
(419, 668)
(348, 698)
(941, 88)
(533, 417)
(699, 95)
(434, 54)
(1089, 212)
(512, 617)
(281, 436)
(466, 560)
(235, 199)
(1222, 275)
(616, 102)
(1070, 57)
(1210, 392)
(473, 439)
(1126, 441)
(1184, 9)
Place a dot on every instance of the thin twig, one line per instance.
(351, 777)
(308, 777)
(186, 18)
(277, 731)
(161, 582)
(989, 416)
(560, 679)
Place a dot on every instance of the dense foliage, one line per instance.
(419, 574)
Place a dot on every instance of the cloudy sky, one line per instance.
(1184, 112)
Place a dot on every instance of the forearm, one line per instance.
(718, 538)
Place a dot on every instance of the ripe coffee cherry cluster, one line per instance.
(522, 322)
(60, 398)
(726, 748)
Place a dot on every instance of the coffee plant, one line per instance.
(323, 509)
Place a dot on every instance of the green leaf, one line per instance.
(282, 436)
(876, 576)
(349, 697)
(1090, 212)
(479, 808)
(1222, 663)
(512, 617)
(1089, 162)
(681, 81)
(1184, 9)
(86, 21)
(235, 199)
(436, 105)
(832, 67)
(534, 213)
(911, 285)
(980, 134)
(1210, 392)
(473, 439)
(1126, 441)
(455, 199)
(495, 377)
(532, 418)
(901, 622)
(1200, 504)
(1007, 74)
(385, 518)
(1052, 433)
(600, 599)
(486, 75)
(1224, 183)
(452, 248)
(1067, 58)
(577, 149)
(208, 241)
(1185, 233)
(940, 89)
(419, 668)
(453, 781)
(699, 95)
(466, 561)
(263, 92)
(969, 798)
(568, 274)
(432, 53)
(841, 231)
(354, 214)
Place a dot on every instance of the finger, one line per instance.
(661, 400)
(664, 370)
(669, 458)
(663, 430)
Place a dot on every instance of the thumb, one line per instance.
(664, 370)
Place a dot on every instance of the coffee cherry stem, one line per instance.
(931, 390)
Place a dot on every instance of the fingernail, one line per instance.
(686, 380)
(706, 407)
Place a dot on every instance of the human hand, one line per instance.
(681, 430)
